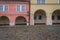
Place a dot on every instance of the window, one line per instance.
(40, 17)
(21, 8)
(3, 8)
(18, 8)
(6, 8)
(58, 17)
(59, 1)
(40, 1)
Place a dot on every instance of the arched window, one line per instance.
(20, 20)
(39, 17)
(56, 17)
(4, 20)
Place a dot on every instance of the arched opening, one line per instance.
(20, 21)
(4, 20)
(40, 17)
(56, 17)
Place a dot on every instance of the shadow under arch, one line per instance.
(56, 17)
(20, 20)
(40, 17)
(4, 20)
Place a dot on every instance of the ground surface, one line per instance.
(29, 33)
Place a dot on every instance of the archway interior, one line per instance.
(39, 17)
(4, 20)
(56, 17)
(20, 21)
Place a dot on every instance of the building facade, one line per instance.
(46, 12)
(14, 12)
(33, 12)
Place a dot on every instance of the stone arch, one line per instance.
(20, 20)
(4, 20)
(40, 17)
(56, 17)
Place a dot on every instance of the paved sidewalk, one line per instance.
(29, 33)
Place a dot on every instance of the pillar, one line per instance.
(12, 21)
(49, 19)
(32, 19)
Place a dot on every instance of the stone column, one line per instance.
(32, 19)
(12, 22)
(49, 19)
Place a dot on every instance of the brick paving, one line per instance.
(28, 33)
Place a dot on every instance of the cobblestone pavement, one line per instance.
(28, 33)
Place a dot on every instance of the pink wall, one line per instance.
(12, 13)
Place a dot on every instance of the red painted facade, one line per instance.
(12, 13)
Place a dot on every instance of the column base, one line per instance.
(31, 24)
(48, 24)
(27, 24)
(12, 24)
